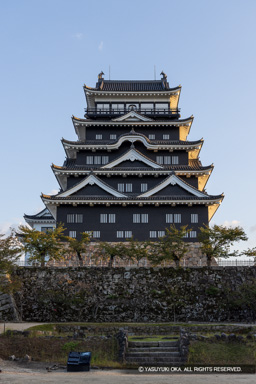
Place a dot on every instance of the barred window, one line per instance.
(105, 159)
(112, 218)
(127, 234)
(103, 218)
(89, 233)
(160, 233)
(96, 234)
(166, 137)
(167, 160)
(128, 187)
(160, 159)
(79, 218)
(98, 137)
(72, 234)
(119, 234)
(152, 234)
(144, 217)
(192, 234)
(175, 160)
(186, 235)
(120, 187)
(70, 218)
(97, 159)
(169, 218)
(112, 137)
(89, 159)
(46, 229)
(194, 218)
(136, 218)
(144, 187)
(177, 218)
(152, 137)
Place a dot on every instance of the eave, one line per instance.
(193, 148)
(52, 203)
(62, 173)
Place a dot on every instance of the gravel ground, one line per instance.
(36, 373)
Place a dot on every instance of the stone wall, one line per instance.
(193, 258)
(8, 310)
(137, 294)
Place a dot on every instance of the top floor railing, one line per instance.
(153, 112)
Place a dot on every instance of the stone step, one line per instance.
(152, 354)
(153, 349)
(153, 360)
(139, 344)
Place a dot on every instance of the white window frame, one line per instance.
(153, 234)
(98, 137)
(119, 234)
(166, 137)
(112, 136)
(152, 136)
(103, 218)
(128, 187)
(136, 218)
(96, 234)
(160, 233)
(70, 218)
(120, 187)
(175, 160)
(89, 160)
(127, 234)
(72, 234)
(144, 218)
(160, 159)
(104, 160)
(192, 234)
(112, 218)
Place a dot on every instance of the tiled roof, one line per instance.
(106, 142)
(132, 86)
(98, 198)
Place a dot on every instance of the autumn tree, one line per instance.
(170, 247)
(217, 241)
(40, 245)
(78, 246)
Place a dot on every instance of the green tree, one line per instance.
(78, 246)
(216, 241)
(10, 250)
(170, 247)
(40, 245)
(137, 250)
(109, 251)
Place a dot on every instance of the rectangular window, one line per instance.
(89, 159)
(151, 137)
(117, 107)
(97, 159)
(177, 218)
(96, 234)
(98, 137)
(152, 234)
(105, 159)
(70, 218)
(112, 137)
(72, 234)
(160, 159)
(192, 234)
(127, 234)
(162, 106)
(167, 160)
(166, 137)
(89, 233)
(169, 218)
(144, 187)
(46, 229)
(175, 160)
(128, 187)
(186, 235)
(144, 217)
(119, 234)
(79, 218)
(112, 218)
(103, 218)
(120, 187)
(160, 233)
(136, 218)
(103, 107)
(194, 218)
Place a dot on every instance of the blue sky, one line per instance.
(49, 49)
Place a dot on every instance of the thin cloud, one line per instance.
(78, 35)
(5, 227)
(53, 192)
(100, 47)
(253, 228)
(232, 223)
